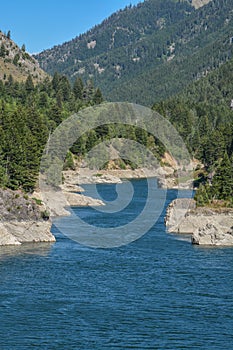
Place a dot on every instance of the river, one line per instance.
(158, 292)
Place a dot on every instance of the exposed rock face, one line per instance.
(14, 205)
(176, 215)
(76, 199)
(30, 231)
(99, 179)
(22, 220)
(199, 3)
(59, 201)
(55, 201)
(212, 234)
(6, 238)
(72, 178)
(70, 187)
(165, 174)
(206, 225)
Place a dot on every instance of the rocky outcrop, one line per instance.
(168, 177)
(213, 234)
(22, 219)
(71, 187)
(29, 231)
(176, 215)
(58, 202)
(76, 199)
(100, 179)
(208, 226)
(87, 176)
(6, 238)
(199, 3)
(22, 66)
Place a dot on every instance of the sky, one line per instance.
(41, 24)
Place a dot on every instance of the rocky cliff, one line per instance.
(208, 226)
(22, 219)
(213, 234)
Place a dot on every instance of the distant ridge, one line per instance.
(148, 52)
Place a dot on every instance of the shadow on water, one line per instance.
(37, 249)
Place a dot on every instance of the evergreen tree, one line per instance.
(223, 179)
(16, 59)
(88, 91)
(98, 98)
(29, 86)
(55, 81)
(56, 114)
(2, 51)
(78, 89)
(201, 196)
(65, 88)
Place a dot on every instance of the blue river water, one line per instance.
(158, 292)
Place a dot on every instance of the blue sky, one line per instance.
(45, 23)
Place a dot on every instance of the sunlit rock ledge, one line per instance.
(207, 226)
(166, 176)
(213, 234)
(22, 219)
(18, 232)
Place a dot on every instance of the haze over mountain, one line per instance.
(150, 51)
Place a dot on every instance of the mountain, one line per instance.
(148, 52)
(17, 62)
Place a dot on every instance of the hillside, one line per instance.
(203, 115)
(150, 51)
(17, 62)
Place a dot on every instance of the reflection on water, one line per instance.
(39, 249)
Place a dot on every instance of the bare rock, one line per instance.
(69, 187)
(30, 231)
(79, 200)
(176, 215)
(208, 226)
(22, 219)
(56, 203)
(99, 179)
(212, 234)
(6, 238)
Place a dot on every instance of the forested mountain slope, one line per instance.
(203, 115)
(150, 51)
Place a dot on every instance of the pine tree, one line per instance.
(88, 91)
(98, 98)
(55, 81)
(2, 51)
(65, 88)
(223, 179)
(201, 196)
(29, 86)
(78, 89)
